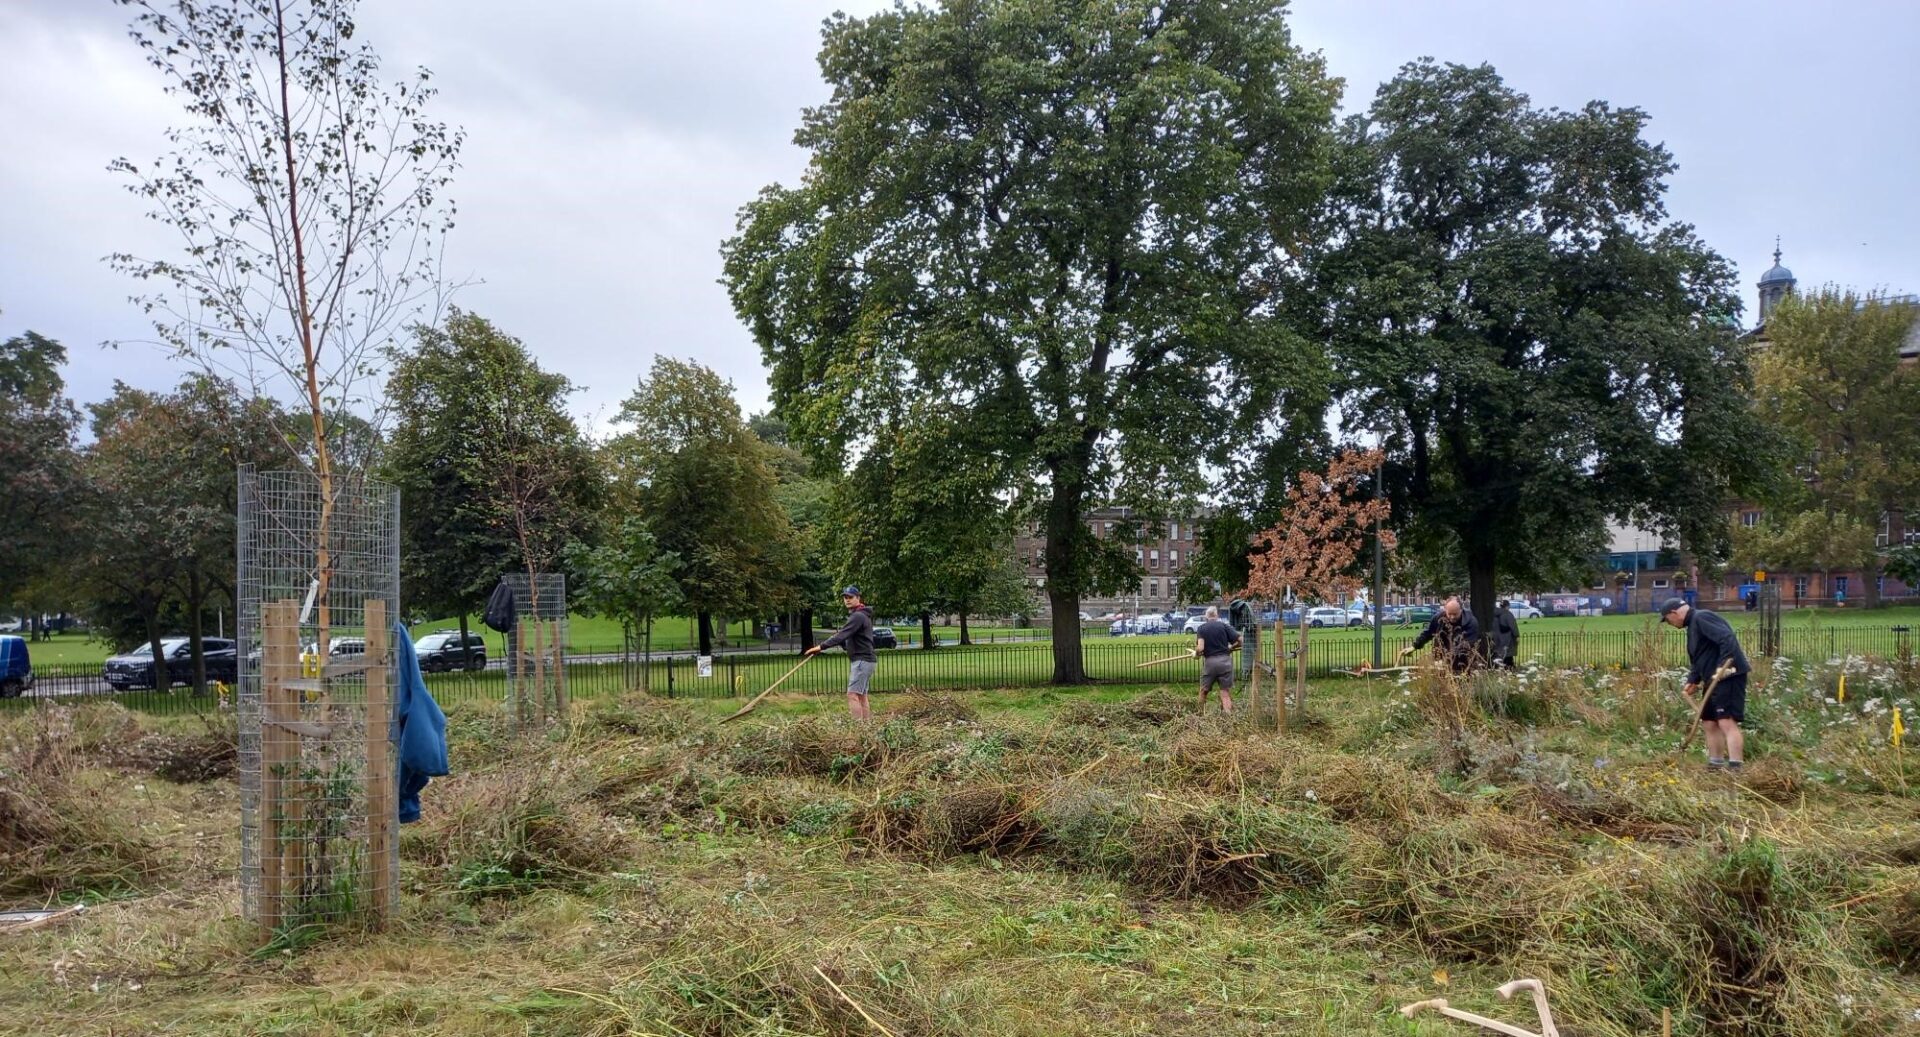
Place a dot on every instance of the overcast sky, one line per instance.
(610, 144)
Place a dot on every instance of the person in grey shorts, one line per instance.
(857, 635)
(1215, 642)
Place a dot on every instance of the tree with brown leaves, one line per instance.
(1315, 548)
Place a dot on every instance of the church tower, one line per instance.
(1775, 285)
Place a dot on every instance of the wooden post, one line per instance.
(383, 805)
(1253, 678)
(560, 672)
(278, 752)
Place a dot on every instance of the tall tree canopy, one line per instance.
(493, 471)
(158, 538)
(1832, 379)
(1509, 305)
(38, 471)
(1067, 218)
(692, 469)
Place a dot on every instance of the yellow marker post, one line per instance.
(1899, 729)
(1843, 687)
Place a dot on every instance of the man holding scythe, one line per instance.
(1712, 648)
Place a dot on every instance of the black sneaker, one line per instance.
(1716, 765)
(1733, 765)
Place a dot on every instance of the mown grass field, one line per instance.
(1034, 862)
(598, 634)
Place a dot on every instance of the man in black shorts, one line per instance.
(1215, 644)
(1710, 642)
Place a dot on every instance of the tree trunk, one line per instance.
(646, 653)
(1870, 575)
(161, 680)
(705, 620)
(806, 629)
(196, 628)
(1068, 667)
(926, 630)
(466, 650)
(1480, 561)
(965, 638)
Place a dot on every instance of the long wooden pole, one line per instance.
(1725, 670)
(748, 708)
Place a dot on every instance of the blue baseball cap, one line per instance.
(850, 592)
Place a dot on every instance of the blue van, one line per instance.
(16, 670)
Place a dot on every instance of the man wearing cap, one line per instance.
(1710, 642)
(857, 635)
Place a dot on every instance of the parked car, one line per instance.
(883, 637)
(1150, 625)
(338, 647)
(16, 667)
(442, 650)
(135, 669)
(1358, 616)
(1419, 615)
(1522, 610)
(1193, 624)
(1560, 605)
(1120, 628)
(1327, 616)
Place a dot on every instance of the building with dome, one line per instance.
(1896, 528)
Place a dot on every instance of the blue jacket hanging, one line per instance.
(419, 728)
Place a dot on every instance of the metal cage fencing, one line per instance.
(536, 661)
(318, 807)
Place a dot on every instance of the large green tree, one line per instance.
(159, 518)
(692, 469)
(1067, 218)
(1509, 305)
(39, 479)
(1831, 377)
(924, 526)
(494, 473)
(626, 576)
(808, 501)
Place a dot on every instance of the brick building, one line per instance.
(1163, 555)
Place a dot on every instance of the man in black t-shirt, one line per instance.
(1215, 643)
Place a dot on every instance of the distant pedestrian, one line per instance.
(857, 635)
(1215, 642)
(1506, 636)
(1454, 634)
(1710, 643)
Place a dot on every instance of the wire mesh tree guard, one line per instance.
(536, 649)
(318, 804)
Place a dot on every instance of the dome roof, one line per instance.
(1777, 274)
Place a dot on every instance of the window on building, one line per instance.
(1173, 531)
(1839, 586)
(1799, 587)
(1748, 519)
(1139, 555)
(1153, 588)
(1154, 558)
(1659, 584)
(1885, 535)
(1173, 559)
(1109, 527)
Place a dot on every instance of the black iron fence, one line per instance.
(1115, 660)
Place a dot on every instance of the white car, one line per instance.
(1522, 610)
(1193, 624)
(1328, 616)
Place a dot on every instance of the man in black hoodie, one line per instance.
(857, 635)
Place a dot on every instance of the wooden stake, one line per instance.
(279, 660)
(748, 708)
(1725, 671)
(383, 804)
